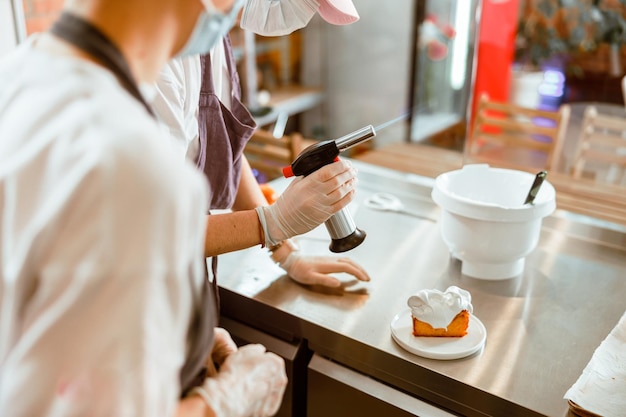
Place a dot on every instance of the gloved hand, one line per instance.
(311, 270)
(222, 347)
(308, 201)
(250, 383)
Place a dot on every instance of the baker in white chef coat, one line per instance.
(104, 305)
(199, 102)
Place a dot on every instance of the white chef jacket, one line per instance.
(178, 96)
(101, 245)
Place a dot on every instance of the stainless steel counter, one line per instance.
(542, 327)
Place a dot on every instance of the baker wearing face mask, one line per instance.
(199, 102)
(105, 304)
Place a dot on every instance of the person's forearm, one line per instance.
(236, 231)
(193, 406)
(249, 195)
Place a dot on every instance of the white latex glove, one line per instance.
(308, 202)
(311, 270)
(223, 346)
(250, 383)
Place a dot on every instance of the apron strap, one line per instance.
(91, 40)
(207, 86)
(235, 84)
(215, 286)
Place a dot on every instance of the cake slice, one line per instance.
(441, 314)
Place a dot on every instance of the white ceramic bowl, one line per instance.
(484, 221)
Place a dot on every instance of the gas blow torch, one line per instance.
(343, 232)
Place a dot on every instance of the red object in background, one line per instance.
(437, 50)
(496, 49)
(435, 37)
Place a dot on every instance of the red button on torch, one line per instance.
(288, 171)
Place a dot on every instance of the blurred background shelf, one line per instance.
(289, 100)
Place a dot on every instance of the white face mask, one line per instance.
(277, 17)
(211, 27)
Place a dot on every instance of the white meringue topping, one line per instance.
(439, 308)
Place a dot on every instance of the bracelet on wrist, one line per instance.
(274, 248)
(275, 252)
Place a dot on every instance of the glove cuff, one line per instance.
(269, 241)
(202, 392)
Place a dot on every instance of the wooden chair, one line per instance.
(269, 154)
(596, 183)
(601, 151)
(511, 136)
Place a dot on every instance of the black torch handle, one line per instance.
(323, 153)
(313, 158)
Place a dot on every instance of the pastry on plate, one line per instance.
(441, 314)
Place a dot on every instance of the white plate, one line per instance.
(438, 347)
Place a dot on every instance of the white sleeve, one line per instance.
(177, 99)
(103, 333)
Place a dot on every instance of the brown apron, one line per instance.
(223, 133)
(88, 38)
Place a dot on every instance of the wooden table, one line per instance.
(582, 196)
(426, 160)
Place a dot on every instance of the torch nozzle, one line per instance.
(354, 138)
